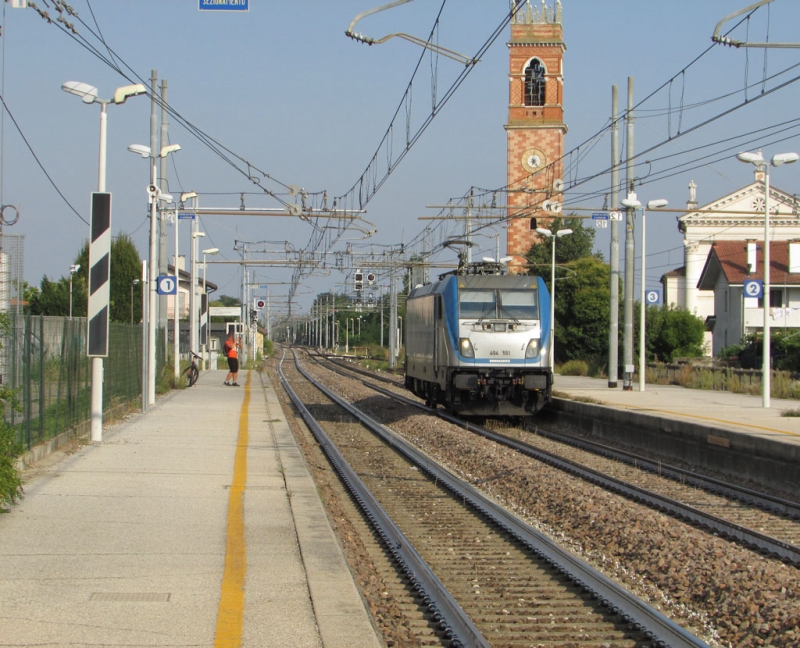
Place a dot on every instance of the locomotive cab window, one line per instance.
(477, 303)
(519, 304)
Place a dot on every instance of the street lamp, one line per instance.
(211, 252)
(134, 283)
(72, 270)
(757, 159)
(632, 202)
(154, 195)
(88, 95)
(553, 235)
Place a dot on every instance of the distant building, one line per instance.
(738, 217)
(535, 128)
(728, 266)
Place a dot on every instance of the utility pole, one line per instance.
(629, 252)
(154, 148)
(163, 252)
(393, 320)
(613, 327)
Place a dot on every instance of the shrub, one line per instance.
(574, 368)
(10, 448)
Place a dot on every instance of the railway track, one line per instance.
(759, 521)
(514, 586)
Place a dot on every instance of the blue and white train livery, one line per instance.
(477, 342)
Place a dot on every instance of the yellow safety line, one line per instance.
(708, 418)
(231, 602)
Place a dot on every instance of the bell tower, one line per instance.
(535, 127)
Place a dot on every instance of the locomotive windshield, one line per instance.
(478, 303)
(498, 304)
(519, 304)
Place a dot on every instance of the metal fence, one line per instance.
(44, 360)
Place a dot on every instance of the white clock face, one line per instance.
(533, 160)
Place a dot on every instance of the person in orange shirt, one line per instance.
(231, 352)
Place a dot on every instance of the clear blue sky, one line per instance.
(282, 87)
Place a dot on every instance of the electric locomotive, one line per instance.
(477, 342)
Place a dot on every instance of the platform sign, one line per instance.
(599, 215)
(754, 288)
(185, 215)
(224, 5)
(225, 311)
(167, 285)
(652, 297)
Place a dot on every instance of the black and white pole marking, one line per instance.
(99, 275)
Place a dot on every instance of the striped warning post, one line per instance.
(203, 318)
(99, 275)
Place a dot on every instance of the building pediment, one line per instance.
(743, 208)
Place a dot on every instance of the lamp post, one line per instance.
(72, 270)
(88, 95)
(553, 235)
(757, 159)
(154, 194)
(633, 203)
(209, 251)
(135, 282)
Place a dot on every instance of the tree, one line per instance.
(673, 333)
(583, 301)
(226, 301)
(572, 247)
(582, 290)
(53, 295)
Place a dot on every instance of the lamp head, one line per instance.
(135, 282)
(171, 148)
(140, 149)
(86, 92)
(563, 232)
(121, 94)
(631, 203)
(74, 268)
(784, 158)
(657, 203)
(165, 197)
(187, 195)
(211, 251)
(752, 158)
(544, 232)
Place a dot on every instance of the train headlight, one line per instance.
(532, 350)
(465, 346)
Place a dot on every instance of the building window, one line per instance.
(534, 83)
(775, 299)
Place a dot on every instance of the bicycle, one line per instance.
(191, 372)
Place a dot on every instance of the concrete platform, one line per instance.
(730, 433)
(196, 523)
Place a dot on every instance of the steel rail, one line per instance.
(453, 621)
(619, 600)
(749, 537)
